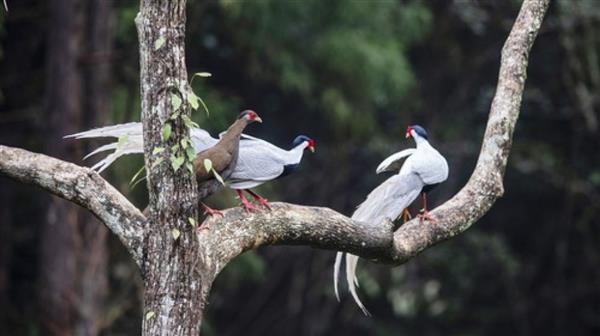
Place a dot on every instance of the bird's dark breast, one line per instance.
(429, 187)
(288, 169)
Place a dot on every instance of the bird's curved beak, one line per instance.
(407, 135)
(311, 149)
(257, 119)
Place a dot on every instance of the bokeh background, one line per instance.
(351, 74)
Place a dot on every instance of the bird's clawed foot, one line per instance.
(210, 211)
(406, 216)
(264, 202)
(425, 216)
(261, 200)
(248, 206)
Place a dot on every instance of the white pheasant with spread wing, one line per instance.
(423, 169)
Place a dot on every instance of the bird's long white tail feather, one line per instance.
(351, 262)
(113, 131)
(130, 142)
(102, 149)
(336, 274)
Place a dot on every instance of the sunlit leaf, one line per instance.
(187, 121)
(204, 106)
(191, 153)
(208, 165)
(192, 221)
(166, 131)
(149, 315)
(158, 150)
(193, 100)
(176, 162)
(175, 101)
(202, 74)
(218, 177)
(175, 233)
(159, 43)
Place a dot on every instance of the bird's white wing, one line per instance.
(256, 164)
(430, 165)
(394, 161)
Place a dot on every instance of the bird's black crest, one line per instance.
(244, 113)
(420, 131)
(299, 139)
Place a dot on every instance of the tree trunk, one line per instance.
(59, 239)
(73, 263)
(175, 292)
(92, 263)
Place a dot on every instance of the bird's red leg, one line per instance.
(406, 216)
(247, 205)
(261, 200)
(210, 211)
(424, 215)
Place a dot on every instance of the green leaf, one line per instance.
(193, 100)
(187, 121)
(184, 143)
(174, 116)
(192, 221)
(166, 131)
(159, 43)
(218, 177)
(149, 315)
(175, 233)
(190, 167)
(175, 147)
(158, 150)
(191, 153)
(208, 165)
(122, 140)
(175, 101)
(202, 74)
(204, 106)
(176, 162)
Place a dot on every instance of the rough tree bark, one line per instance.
(174, 283)
(178, 270)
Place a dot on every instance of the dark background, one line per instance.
(352, 75)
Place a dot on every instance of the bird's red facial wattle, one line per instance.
(311, 145)
(253, 116)
(408, 132)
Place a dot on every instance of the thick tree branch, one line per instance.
(325, 228)
(82, 186)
